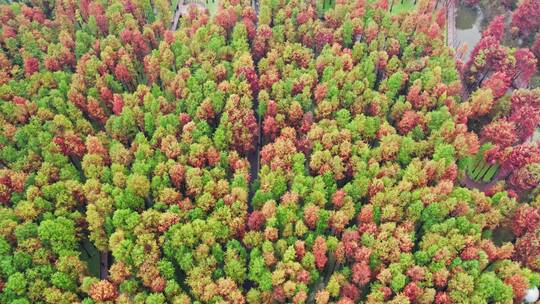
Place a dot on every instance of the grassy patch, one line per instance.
(212, 6)
(399, 6)
(403, 6)
(91, 256)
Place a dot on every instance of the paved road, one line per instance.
(255, 4)
(451, 23)
(176, 16)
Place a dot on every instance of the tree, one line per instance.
(495, 28)
(525, 65)
(59, 233)
(499, 83)
(501, 132)
(524, 18)
(527, 250)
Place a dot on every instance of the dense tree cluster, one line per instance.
(508, 158)
(283, 155)
(505, 118)
(514, 24)
(523, 15)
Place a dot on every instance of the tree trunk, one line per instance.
(104, 263)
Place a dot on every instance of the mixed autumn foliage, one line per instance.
(117, 131)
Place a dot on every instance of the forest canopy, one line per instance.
(277, 153)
